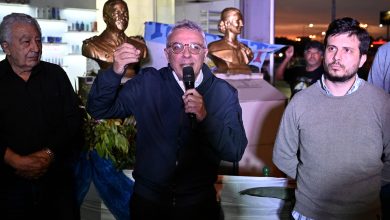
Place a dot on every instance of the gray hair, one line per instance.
(10, 20)
(187, 24)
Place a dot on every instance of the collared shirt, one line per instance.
(198, 80)
(354, 87)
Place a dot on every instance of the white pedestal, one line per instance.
(262, 109)
(245, 207)
(239, 76)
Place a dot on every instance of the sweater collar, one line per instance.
(358, 82)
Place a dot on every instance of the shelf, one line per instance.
(75, 54)
(81, 32)
(51, 20)
(54, 44)
(67, 53)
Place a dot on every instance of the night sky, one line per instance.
(292, 17)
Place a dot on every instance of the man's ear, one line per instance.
(5, 47)
(363, 59)
(166, 54)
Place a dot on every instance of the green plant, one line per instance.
(113, 139)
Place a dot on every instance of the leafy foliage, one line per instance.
(113, 139)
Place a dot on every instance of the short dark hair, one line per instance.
(314, 44)
(352, 27)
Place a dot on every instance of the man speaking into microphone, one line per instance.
(177, 157)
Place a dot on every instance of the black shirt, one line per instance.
(298, 78)
(41, 112)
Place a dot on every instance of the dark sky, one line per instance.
(292, 17)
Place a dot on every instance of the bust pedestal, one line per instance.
(239, 76)
(262, 109)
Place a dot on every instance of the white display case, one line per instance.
(62, 42)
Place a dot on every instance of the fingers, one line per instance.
(289, 52)
(37, 169)
(123, 55)
(193, 103)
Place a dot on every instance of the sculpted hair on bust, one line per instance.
(108, 7)
(225, 14)
(10, 20)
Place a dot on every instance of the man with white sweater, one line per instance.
(334, 137)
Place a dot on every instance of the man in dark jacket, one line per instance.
(177, 156)
(39, 125)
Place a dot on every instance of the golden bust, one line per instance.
(228, 54)
(101, 48)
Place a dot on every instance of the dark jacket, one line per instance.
(174, 162)
(39, 113)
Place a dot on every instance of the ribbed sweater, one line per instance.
(336, 148)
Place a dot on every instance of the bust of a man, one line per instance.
(228, 54)
(101, 48)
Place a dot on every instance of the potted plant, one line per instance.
(108, 155)
(113, 139)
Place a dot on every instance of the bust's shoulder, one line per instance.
(218, 45)
(92, 40)
(96, 47)
(137, 41)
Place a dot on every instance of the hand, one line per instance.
(123, 55)
(31, 166)
(289, 52)
(193, 103)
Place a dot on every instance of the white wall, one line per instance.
(140, 12)
(184, 9)
(90, 4)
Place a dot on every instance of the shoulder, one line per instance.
(150, 71)
(320, 69)
(52, 69)
(91, 40)
(150, 74)
(222, 87)
(296, 69)
(137, 42)
(51, 66)
(92, 46)
(4, 66)
(384, 48)
(374, 92)
(310, 95)
(217, 45)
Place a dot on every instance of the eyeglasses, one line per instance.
(194, 48)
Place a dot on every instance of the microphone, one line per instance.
(189, 82)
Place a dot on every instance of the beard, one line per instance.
(349, 73)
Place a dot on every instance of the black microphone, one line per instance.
(189, 81)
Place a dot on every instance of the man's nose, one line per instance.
(36, 45)
(186, 51)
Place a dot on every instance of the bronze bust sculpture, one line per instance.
(228, 54)
(101, 48)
